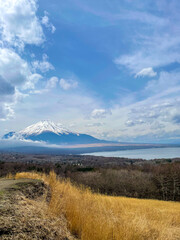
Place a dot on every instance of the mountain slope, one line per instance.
(51, 133)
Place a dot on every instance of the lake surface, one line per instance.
(150, 153)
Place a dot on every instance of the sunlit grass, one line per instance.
(99, 217)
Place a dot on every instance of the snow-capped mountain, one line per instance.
(51, 133)
(44, 126)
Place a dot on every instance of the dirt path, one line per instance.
(24, 212)
(10, 183)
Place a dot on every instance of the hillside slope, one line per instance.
(96, 217)
(24, 213)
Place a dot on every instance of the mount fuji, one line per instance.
(51, 133)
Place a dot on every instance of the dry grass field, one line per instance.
(93, 216)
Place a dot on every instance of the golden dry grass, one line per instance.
(99, 217)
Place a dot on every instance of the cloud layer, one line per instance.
(110, 69)
(19, 23)
(19, 26)
(67, 84)
(149, 72)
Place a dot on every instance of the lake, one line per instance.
(150, 153)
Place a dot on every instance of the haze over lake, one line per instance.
(151, 153)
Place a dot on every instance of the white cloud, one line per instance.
(32, 80)
(118, 12)
(19, 23)
(8, 103)
(154, 117)
(156, 50)
(63, 106)
(165, 83)
(67, 84)
(149, 118)
(12, 67)
(52, 82)
(14, 70)
(15, 75)
(96, 124)
(149, 72)
(99, 113)
(6, 112)
(45, 22)
(44, 65)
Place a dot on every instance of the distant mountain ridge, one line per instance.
(51, 133)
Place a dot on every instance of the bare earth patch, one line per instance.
(24, 213)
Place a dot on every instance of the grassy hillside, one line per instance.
(96, 217)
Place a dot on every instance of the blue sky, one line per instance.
(107, 68)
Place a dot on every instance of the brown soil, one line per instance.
(24, 213)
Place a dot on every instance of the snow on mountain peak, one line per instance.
(44, 126)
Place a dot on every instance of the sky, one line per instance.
(108, 68)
